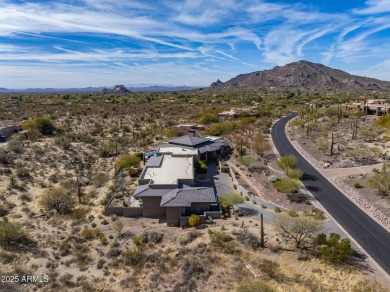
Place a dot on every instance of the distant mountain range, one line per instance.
(130, 88)
(304, 76)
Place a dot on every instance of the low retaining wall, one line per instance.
(132, 212)
(240, 189)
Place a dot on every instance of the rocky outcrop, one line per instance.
(119, 89)
(216, 83)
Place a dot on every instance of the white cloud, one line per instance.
(374, 7)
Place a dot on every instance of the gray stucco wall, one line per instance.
(113, 211)
(173, 215)
(133, 212)
(205, 206)
(151, 207)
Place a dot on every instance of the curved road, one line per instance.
(369, 234)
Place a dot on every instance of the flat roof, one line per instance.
(170, 170)
(176, 150)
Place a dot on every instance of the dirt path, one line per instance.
(335, 172)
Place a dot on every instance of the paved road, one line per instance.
(369, 234)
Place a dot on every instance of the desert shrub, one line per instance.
(357, 185)
(383, 121)
(140, 240)
(287, 163)
(5, 158)
(323, 144)
(15, 146)
(189, 237)
(155, 237)
(22, 172)
(333, 249)
(7, 257)
(293, 213)
(278, 210)
(128, 160)
(220, 129)
(194, 220)
(43, 125)
(295, 174)
(287, 185)
(220, 239)
(270, 268)
(100, 264)
(11, 234)
(247, 159)
(248, 239)
(113, 252)
(208, 118)
(102, 239)
(118, 225)
(100, 179)
(380, 180)
(79, 214)
(253, 285)
(133, 257)
(59, 199)
(134, 172)
(368, 286)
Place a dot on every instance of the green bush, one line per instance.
(228, 200)
(79, 214)
(295, 174)
(208, 118)
(287, 185)
(220, 129)
(128, 160)
(293, 213)
(194, 220)
(333, 249)
(357, 185)
(43, 125)
(323, 145)
(133, 257)
(201, 167)
(11, 234)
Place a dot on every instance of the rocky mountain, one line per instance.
(117, 89)
(304, 76)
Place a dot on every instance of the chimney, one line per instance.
(191, 133)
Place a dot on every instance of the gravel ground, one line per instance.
(362, 202)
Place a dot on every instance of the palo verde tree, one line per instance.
(297, 228)
(228, 200)
(288, 164)
(260, 145)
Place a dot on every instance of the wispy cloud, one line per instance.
(233, 36)
(374, 7)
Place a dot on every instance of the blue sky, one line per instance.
(102, 43)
